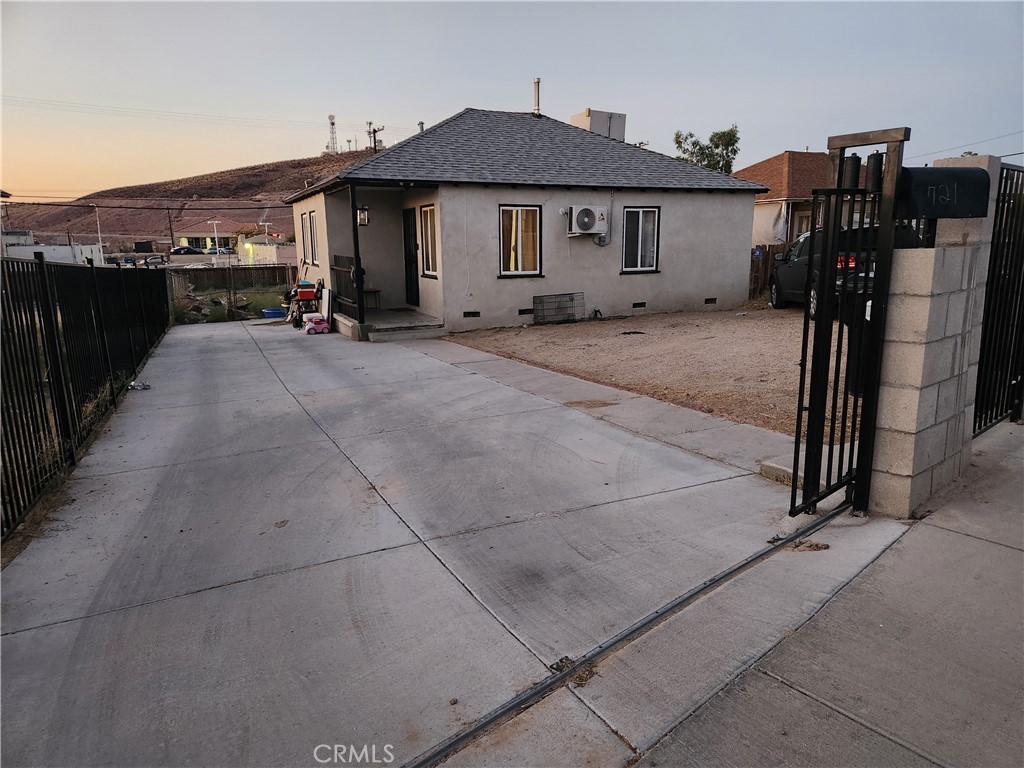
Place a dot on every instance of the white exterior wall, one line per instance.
(704, 253)
(260, 253)
(63, 253)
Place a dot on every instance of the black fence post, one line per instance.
(127, 320)
(231, 290)
(58, 383)
(98, 309)
(142, 306)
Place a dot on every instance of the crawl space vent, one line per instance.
(558, 308)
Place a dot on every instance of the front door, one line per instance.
(412, 271)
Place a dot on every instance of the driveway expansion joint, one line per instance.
(855, 718)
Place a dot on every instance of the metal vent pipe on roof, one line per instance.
(420, 124)
(536, 97)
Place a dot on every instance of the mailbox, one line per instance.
(942, 193)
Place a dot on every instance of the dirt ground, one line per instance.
(742, 365)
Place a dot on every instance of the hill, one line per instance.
(141, 212)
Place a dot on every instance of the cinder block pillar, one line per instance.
(930, 360)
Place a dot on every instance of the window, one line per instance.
(640, 239)
(312, 237)
(428, 238)
(305, 238)
(520, 240)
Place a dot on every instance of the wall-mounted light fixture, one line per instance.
(362, 216)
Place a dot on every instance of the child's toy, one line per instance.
(317, 325)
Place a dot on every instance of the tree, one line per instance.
(717, 154)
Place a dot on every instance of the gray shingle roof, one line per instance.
(486, 147)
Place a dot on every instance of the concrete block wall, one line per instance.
(930, 360)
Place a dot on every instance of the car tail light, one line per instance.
(851, 262)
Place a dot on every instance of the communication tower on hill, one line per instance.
(332, 146)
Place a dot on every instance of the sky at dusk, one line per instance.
(97, 95)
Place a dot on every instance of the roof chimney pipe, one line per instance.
(536, 97)
(420, 124)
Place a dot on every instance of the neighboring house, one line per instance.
(199, 232)
(468, 222)
(783, 213)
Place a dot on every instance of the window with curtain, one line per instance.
(429, 238)
(520, 240)
(305, 238)
(312, 237)
(639, 239)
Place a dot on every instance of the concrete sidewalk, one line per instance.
(293, 541)
(918, 662)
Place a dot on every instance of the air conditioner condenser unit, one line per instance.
(588, 220)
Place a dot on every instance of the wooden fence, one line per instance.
(762, 262)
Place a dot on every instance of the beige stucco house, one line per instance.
(481, 219)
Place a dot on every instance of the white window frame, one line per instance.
(639, 211)
(428, 240)
(312, 239)
(503, 270)
(305, 238)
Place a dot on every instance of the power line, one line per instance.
(969, 144)
(159, 114)
(155, 207)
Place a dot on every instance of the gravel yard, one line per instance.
(741, 365)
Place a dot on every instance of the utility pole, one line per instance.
(170, 226)
(372, 133)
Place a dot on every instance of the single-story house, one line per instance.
(479, 219)
(200, 232)
(783, 213)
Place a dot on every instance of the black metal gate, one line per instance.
(1001, 362)
(851, 246)
(348, 287)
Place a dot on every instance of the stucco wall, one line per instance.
(704, 253)
(307, 270)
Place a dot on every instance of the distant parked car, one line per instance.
(110, 260)
(186, 250)
(855, 265)
(221, 252)
(129, 260)
(155, 260)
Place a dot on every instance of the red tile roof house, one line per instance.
(783, 213)
(480, 219)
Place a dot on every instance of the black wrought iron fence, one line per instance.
(73, 337)
(210, 295)
(1000, 389)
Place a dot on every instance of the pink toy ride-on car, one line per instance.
(317, 325)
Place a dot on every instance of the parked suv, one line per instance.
(855, 264)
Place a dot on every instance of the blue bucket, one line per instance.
(272, 312)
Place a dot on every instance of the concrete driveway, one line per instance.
(293, 541)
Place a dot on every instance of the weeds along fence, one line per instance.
(72, 337)
(762, 262)
(210, 295)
